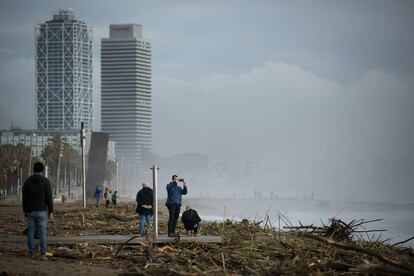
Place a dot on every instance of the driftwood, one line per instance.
(338, 266)
(337, 229)
(67, 255)
(404, 241)
(248, 247)
(382, 269)
(354, 248)
(125, 243)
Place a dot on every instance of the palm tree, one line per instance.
(15, 157)
(60, 154)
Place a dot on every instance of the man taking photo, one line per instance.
(174, 202)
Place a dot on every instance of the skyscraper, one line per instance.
(63, 73)
(126, 91)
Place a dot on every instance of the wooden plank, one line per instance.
(116, 239)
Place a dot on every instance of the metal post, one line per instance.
(30, 155)
(117, 175)
(83, 164)
(21, 182)
(155, 199)
(58, 168)
(64, 177)
(18, 185)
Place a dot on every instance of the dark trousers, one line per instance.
(192, 228)
(174, 212)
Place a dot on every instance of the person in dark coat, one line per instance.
(144, 206)
(38, 208)
(191, 220)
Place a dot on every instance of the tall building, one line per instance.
(63, 73)
(126, 92)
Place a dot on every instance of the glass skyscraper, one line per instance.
(63, 73)
(126, 92)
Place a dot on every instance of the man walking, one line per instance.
(37, 207)
(144, 206)
(114, 198)
(173, 203)
(107, 197)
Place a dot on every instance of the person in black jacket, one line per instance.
(191, 220)
(37, 207)
(144, 206)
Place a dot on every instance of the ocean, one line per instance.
(397, 218)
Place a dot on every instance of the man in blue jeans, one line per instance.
(144, 206)
(37, 207)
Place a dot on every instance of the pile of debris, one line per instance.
(248, 247)
(339, 230)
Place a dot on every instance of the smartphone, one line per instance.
(181, 180)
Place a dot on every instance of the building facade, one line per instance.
(126, 92)
(63, 73)
(37, 140)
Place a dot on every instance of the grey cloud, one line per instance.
(18, 101)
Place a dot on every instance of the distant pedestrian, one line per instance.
(37, 207)
(114, 197)
(98, 192)
(107, 197)
(191, 220)
(144, 206)
(173, 203)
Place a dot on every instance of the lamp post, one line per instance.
(82, 134)
(19, 177)
(155, 199)
(117, 175)
(30, 155)
(60, 155)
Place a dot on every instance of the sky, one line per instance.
(318, 94)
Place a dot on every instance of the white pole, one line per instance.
(117, 175)
(83, 165)
(155, 199)
(30, 156)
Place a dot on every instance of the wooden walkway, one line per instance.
(116, 239)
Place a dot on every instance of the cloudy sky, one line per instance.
(320, 94)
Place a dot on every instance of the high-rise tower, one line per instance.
(126, 91)
(63, 73)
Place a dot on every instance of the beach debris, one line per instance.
(337, 229)
(248, 247)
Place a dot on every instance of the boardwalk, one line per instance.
(116, 239)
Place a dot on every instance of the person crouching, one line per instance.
(191, 220)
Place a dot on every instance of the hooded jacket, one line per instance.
(37, 194)
(144, 197)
